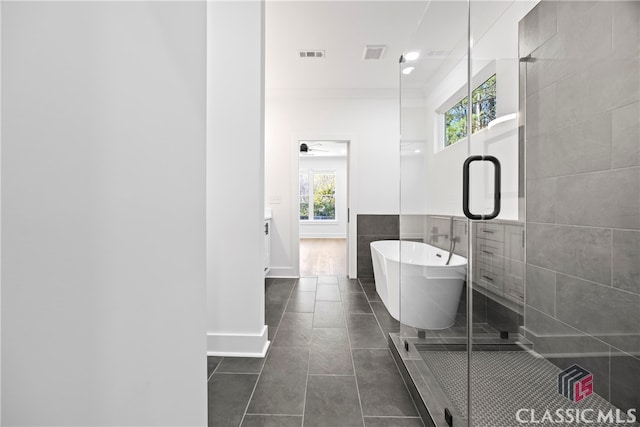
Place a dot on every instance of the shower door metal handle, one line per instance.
(465, 187)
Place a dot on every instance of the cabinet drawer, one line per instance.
(489, 247)
(490, 261)
(491, 231)
(514, 291)
(490, 278)
(495, 268)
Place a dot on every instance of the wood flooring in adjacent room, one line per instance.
(323, 257)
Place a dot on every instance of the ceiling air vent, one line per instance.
(311, 53)
(373, 51)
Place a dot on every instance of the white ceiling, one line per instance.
(342, 29)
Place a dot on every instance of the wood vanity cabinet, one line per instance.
(499, 255)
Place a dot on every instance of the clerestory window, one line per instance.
(483, 111)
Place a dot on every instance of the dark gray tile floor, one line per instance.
(328, 365)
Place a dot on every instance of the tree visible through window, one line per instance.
(483, 110)
(304, 194)
(317, 195)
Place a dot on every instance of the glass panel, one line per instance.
(432, 292)
(572, 326)
(551, 303)
(580, 87)
(498, 361)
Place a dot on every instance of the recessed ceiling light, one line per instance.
(412, 56)
(416, 151)
(408, 70)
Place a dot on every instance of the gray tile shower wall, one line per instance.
(369, 229)
(582, 125)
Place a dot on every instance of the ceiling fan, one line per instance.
(307, 148)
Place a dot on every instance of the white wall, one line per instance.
(413, 159)
(103, 201)
(328, 229)
(235, 180)
(371, 125)
(0, 213)
(413, 181)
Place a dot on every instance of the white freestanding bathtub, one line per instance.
(422, 286)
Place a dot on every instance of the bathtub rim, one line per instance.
(456, 260)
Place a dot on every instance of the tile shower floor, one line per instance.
(329, 364)
(498, 378)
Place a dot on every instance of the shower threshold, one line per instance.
(512, 385)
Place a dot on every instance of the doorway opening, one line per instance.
(323, 190)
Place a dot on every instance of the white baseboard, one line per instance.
(238, 345)
(283, 273)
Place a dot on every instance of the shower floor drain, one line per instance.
(505, 382)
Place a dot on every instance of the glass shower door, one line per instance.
(555, 295)
(493, 200)
(463, 207)
(433, 230)
(545, 328)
